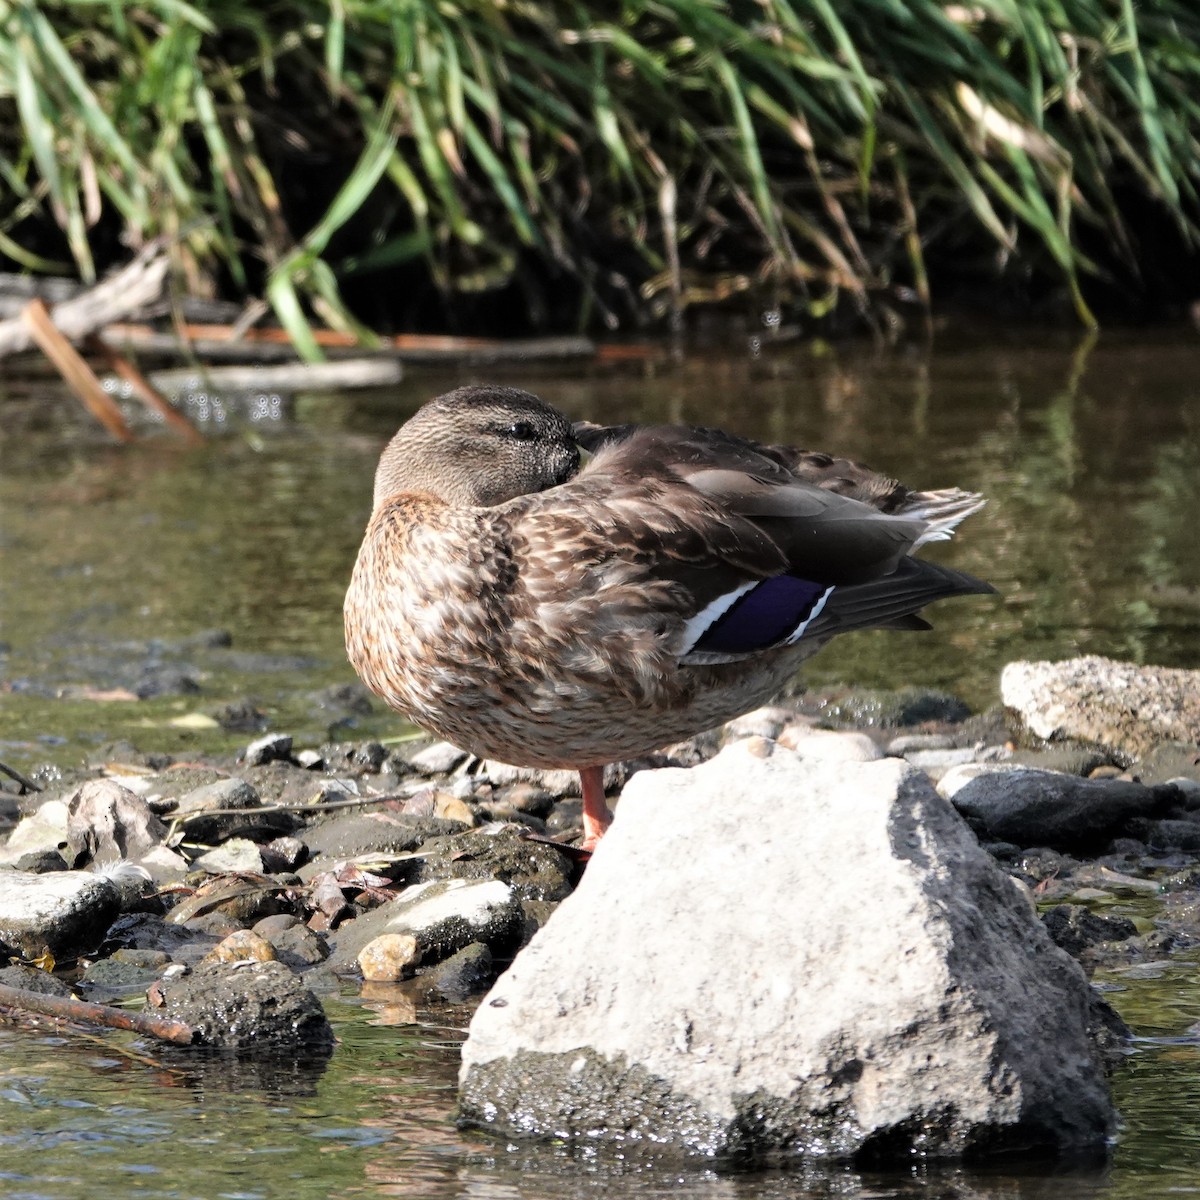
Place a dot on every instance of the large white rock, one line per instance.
(768, 956)
(1126, 707)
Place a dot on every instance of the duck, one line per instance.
(553, 594)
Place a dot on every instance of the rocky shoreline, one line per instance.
(233, 894)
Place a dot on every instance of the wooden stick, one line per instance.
(142, 387)
(78, 375)
(69, 1009)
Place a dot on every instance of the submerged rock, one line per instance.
(870, 985)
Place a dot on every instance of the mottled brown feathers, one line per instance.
(547, 615)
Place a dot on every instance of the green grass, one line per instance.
(655, 154)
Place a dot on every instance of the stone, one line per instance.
(65, 912)
(438, 759)
(955, 778)
(111, 978)
(828, 745)
(1064, 812)
(242, 945)
(274, 747)
(195, 806)
(534, 870)
(351, 834)
(465, 974)
(232, 856)
(443, 916)
(245, 1006)
(44, 829)
(389, 957)
(675, 1001)
(33, 979)
(935, 763)
(1123, 706)
(107, 823)
(1077, 929)
(299, 947)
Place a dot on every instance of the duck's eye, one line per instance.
(521, 431)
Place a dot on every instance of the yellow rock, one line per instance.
(389, 957)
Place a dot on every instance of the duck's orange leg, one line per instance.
(596, 817)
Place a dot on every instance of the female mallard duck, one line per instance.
(548, 615)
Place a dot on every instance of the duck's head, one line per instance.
(479, 446)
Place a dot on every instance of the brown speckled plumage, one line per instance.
(534, 612)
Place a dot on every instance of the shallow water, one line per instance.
(118, 559)
(117, 555)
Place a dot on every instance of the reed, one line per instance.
(656, 154)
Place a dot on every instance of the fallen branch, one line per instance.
(116, 298)
(269, 345)
(86, 1013)
(284, 377)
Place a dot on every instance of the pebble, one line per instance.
(389, 957)
(243, 945)
(274, 747)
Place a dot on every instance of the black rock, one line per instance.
(1075, 928)
(1064, 812)
(468, 973)
(247, 1005)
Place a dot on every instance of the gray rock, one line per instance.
(274, 747)
(1126, 707)
(107, 823)
(44, 829)
(1064, 812)
(355, 833)
(33, 979)
(955, 778)
(112, 977)
(439, 759)
(65, 912)
(675, 999)
(935, 763)
(203, 824)
(534, 870)
(245, 1005)
(829, 745)
(234, 855)
(465, 974)
(444, 916)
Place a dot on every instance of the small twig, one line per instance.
(27, 784)
(296, 806)
(87, 1013)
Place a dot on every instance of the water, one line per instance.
(116, 559)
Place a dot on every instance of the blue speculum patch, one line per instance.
(769, 613)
